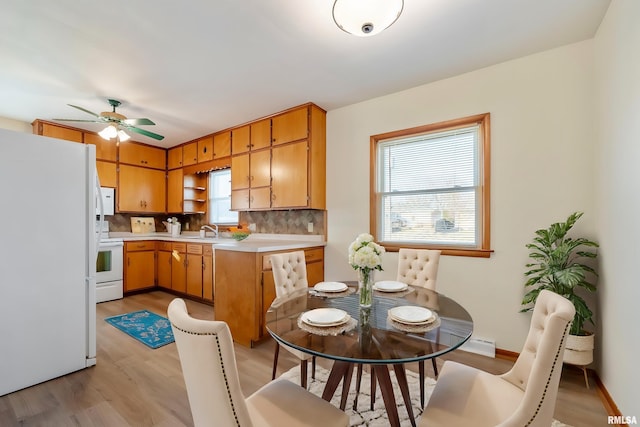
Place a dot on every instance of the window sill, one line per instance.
(468, 252)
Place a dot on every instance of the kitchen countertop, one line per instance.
(257, 242)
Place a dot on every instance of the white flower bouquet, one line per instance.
(365, 256)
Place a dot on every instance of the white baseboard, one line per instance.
(480, 346)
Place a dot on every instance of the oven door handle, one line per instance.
(110, 244)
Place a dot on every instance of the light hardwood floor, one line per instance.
(133, 385)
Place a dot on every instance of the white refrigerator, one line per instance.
(47, 259)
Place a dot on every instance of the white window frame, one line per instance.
(481, 246)
(214, 198)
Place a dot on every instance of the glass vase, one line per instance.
(365, 287)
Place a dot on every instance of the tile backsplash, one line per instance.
(272, 222)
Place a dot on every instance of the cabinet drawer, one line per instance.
(207, 250)
(311, 255)
(140, 246)
(194, 249)
(164, 246)
(180, 247)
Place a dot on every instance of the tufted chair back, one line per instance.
(418, 267)
(289, 272)
(539, 365)
(209, 368)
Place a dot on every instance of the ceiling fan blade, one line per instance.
(85, 110)
(138, 122)
(145, 132)
(77, 120)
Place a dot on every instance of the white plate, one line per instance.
(411, 314)
(330, 287)
(390, 286)
(325, 317)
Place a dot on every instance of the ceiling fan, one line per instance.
(116, 123)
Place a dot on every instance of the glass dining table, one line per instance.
(377, 336)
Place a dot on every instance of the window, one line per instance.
(430, 187)
(220, 198)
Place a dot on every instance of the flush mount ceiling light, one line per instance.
(366, 17)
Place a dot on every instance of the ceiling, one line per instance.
(201, 66)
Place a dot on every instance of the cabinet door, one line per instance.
(260, 169)
(241, 140)
(194, 275)
(179, 271)
(222, 145)
(289, 172)
(207, 272)
(175, 191)
(240, 200)
(315, 273)
(261, 134)
(240, 172)
(260, 198)
(141, 190)
(107, 172)
(288, 127)
(134, 153)
(59, 132)
(205, 149)
(190, 154)
(105, 150)
(139, 272)
(164, 269)
(174, 158)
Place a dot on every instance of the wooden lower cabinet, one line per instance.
(244, 289)
(186, 268)
(140, 265)
(179, 267)
(163, 267)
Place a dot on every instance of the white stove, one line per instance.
(109, 266)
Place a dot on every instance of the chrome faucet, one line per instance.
(205, 227)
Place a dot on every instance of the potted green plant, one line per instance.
(557, 264)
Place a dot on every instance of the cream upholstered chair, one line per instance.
(524, 396)
(290, 274)
(416, 267)
(419, 267)
(210, 373)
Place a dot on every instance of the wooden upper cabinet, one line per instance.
(222, 145)
(290, 126)
(241, 140)
(143, 155)
(190, 154)
(174, 158)
(261, 134)
(141, 190)
(240, 177)
(175, 191)
(289, 176)
(105, 150)
(107, 173)
(205, 149)
(56, 131)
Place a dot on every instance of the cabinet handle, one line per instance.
(204, 149)
(248, 145)
(251, 178)
(273, 196)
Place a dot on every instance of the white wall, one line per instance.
(18, 126)
(542, 170)
(617, 58)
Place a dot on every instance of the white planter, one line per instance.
(579, 349)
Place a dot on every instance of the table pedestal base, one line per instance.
(343, 371)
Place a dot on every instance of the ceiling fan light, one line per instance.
(123, 136)
(109, 132)
(365, 18)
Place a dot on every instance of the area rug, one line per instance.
(362, 415)
(147, 327)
